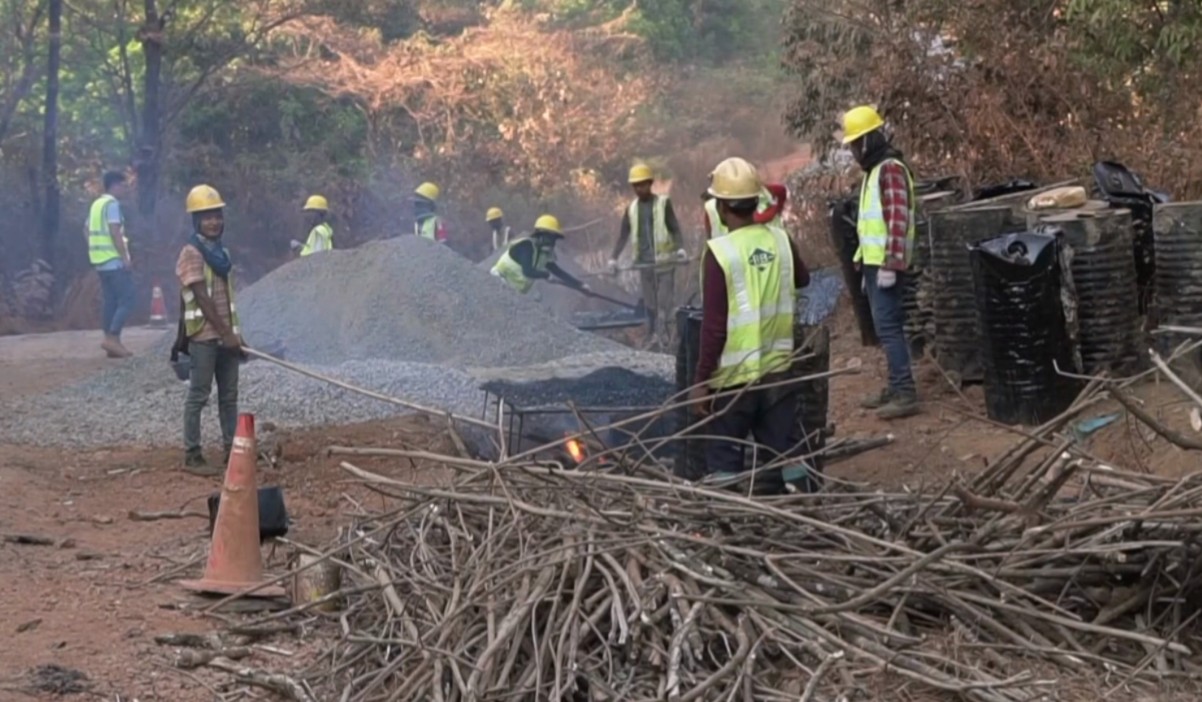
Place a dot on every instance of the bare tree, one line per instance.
(22, 69)
(50, 203)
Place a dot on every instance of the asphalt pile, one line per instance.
(404, 317)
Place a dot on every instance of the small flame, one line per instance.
(575, 450)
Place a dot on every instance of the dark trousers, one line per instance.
(889, 320)
(117, 288)
(770, 417)
(659, 296)
(209, 362)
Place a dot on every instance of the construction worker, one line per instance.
(495, 219)
(533, 258)
(108, 251)
(426, 222)
(750, 278)
(317, 221)
(209, 332)
(886, 232)
(658, 246)
(770, 209)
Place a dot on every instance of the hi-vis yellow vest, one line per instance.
(717, 228)
(758, 264)
(511, 271)
(661, 240)
(101, 248)
(871, 227)
(194, 317)
(321, 238)
(427, 228)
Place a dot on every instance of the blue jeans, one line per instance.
(211, 362)
(889, 319)
(118, 290)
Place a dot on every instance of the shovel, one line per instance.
(639, 308)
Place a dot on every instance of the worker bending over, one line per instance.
(317, 221)
(426, 222)
(886, 231)
(208, 329)
(749, 282)
(658, 247)
(770, 209)
(495, 219)
(533, 258)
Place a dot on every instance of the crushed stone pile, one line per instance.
(404, 317)
(405, 299)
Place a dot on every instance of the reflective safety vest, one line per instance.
(500, 238)
(194, 317)
(509, 270)
(101, 248)
(427, 227)
(717, 228)
(761, 303)
(662, 243)
(321, 238)
(871, 226)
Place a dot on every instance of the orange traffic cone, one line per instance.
(235, 562)
(158, 308)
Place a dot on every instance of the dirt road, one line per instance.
(33, 363)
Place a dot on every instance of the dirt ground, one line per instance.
(94, 600)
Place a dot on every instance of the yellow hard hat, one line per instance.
(548, 223)
(428, 190)
(317, 202)
(203, 197)
(640, 173)
(493, 213)
(735, 179)
(859, 121)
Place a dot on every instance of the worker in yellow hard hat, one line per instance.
(886, 229)
(495, 219)
(317, 222)
(209, 332)
(533, 258)
(749, 283)
(658, 247)
(426, 222)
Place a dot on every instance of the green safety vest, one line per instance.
(427, 228)
(662, 243)
(871, 227)
(717, 228)
(758, 264)
(101, 248)
(194, 317)
(321, 238)
(511, 271)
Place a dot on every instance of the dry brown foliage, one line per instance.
(508, 100)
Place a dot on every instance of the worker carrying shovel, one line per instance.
(658, 247)
(533, 258)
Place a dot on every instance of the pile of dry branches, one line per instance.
(529, 582)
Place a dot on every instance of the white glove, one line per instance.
(613, 266)
(682, 255)
(294, 245)
(886, 279)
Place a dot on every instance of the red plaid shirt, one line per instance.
(897, 210)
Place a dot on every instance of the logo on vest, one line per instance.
(761, 259)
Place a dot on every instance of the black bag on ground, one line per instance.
(1016, 279)
(273, 516)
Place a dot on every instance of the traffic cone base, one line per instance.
(235, 562)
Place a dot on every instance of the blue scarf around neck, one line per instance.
(216, 256)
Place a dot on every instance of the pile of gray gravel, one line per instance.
(407, 299)
(405, 318)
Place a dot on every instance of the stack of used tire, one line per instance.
(1178, 300)
(1017, 291)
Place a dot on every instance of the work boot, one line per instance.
(873, 402)
(899, 407)
(195, 464)
(112, 347)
